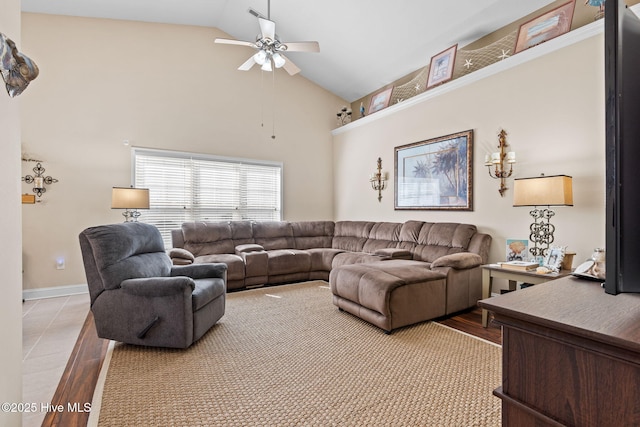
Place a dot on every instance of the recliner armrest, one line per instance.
(181, 256)
(460, 261)
(249, 247)
(157, 286)
(393, 253)
(200, 270)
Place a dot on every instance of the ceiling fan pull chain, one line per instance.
(262, 98)
(273, 94)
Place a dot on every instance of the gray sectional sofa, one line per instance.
(379, 271)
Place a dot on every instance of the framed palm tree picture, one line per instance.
(435, 174)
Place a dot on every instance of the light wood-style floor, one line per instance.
(52, 326)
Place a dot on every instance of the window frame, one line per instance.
(192, 212)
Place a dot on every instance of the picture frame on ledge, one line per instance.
(380, 100)
(435, 174)
(553, 259)
(441, 66)
(545, 27)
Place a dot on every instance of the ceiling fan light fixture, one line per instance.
(260, 57)
(278, 60)
(267, 66)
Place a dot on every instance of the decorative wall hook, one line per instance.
(497, 160)
(378, 180)
(39, 180)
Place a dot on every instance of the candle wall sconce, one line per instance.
(39, 180)
(379, 179)
(344, 116)
(495, 162)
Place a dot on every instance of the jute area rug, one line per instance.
(285, 356)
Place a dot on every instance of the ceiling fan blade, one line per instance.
(268, 28)
(246, 66)
(236, 42)
(289, 66)
(302, 46)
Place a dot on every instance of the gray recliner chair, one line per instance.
(139, 297)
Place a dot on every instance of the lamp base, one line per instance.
(131, 216)
(541, 231)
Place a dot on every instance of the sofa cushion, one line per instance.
(312, 234)
(287, 261)
(351, 235)
(235, 264)
(322, 258)
(430, 253)
(346, 258)
(273, 235)
(460, 261)
(445, 234)
(410, 230)
(206, 238)
(126, 251)
(183, 254)
(205, 291)
(393, 253)
(366, 284)
(249, 247)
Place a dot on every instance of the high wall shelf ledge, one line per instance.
(585, 32)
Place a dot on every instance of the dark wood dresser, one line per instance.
(571, 355)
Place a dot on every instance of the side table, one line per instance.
(491, 271)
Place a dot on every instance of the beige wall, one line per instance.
(164, 86)
(553, 110)
(158, 86)
(10, 302)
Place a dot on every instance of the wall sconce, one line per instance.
(39, 180)
(496, 161)
(344, 116)
(542, 191)
(130, 198)
(378, 180)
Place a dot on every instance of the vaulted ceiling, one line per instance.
(364, 44)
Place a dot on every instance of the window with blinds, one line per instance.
(196, 187)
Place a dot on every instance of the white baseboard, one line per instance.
(56, 291)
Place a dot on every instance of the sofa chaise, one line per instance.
(389, 274)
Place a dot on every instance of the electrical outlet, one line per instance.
(60, 264)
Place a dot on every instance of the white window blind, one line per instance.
(196, 187)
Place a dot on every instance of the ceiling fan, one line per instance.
(270, 50)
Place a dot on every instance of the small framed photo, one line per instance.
(554, 257)
(441, 67)
(545, 27)
(380, 100)
(517, 249)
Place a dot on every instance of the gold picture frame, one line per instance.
(380, 100)
(545, 27)
(435, 174)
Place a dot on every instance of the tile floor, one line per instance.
(50, 328)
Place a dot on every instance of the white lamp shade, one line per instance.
(543, 191)
(267, 65)
(129, 198)
(278, 60)
(260, 57)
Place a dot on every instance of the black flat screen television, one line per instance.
(622, 121)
